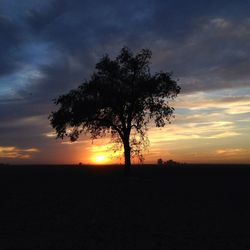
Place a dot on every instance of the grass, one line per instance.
(81, 207)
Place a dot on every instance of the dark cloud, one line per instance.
(11, 40)
(217, 56)
(84, 30)
(40, 19)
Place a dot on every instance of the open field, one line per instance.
(71, 207)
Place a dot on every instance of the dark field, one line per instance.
(70, 207)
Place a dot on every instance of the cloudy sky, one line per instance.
(49, 47)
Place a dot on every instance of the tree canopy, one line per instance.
(121, 98)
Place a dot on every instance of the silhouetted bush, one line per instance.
(159, 161)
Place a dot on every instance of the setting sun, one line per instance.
(100, 159)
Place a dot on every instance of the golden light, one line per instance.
(102, 153)
(100, 159)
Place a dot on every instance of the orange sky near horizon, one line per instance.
(206, 129)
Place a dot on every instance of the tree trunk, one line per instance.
(127, 154)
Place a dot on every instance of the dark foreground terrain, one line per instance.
(71, 207)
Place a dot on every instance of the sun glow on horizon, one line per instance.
(99, 159)
(103, 153)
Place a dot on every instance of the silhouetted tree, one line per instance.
(159, 161)
(121, 98)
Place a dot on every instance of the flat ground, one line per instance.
(71, 207)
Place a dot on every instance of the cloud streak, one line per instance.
(231, 105)
(17, 153)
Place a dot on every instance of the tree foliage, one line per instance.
(121, 98)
